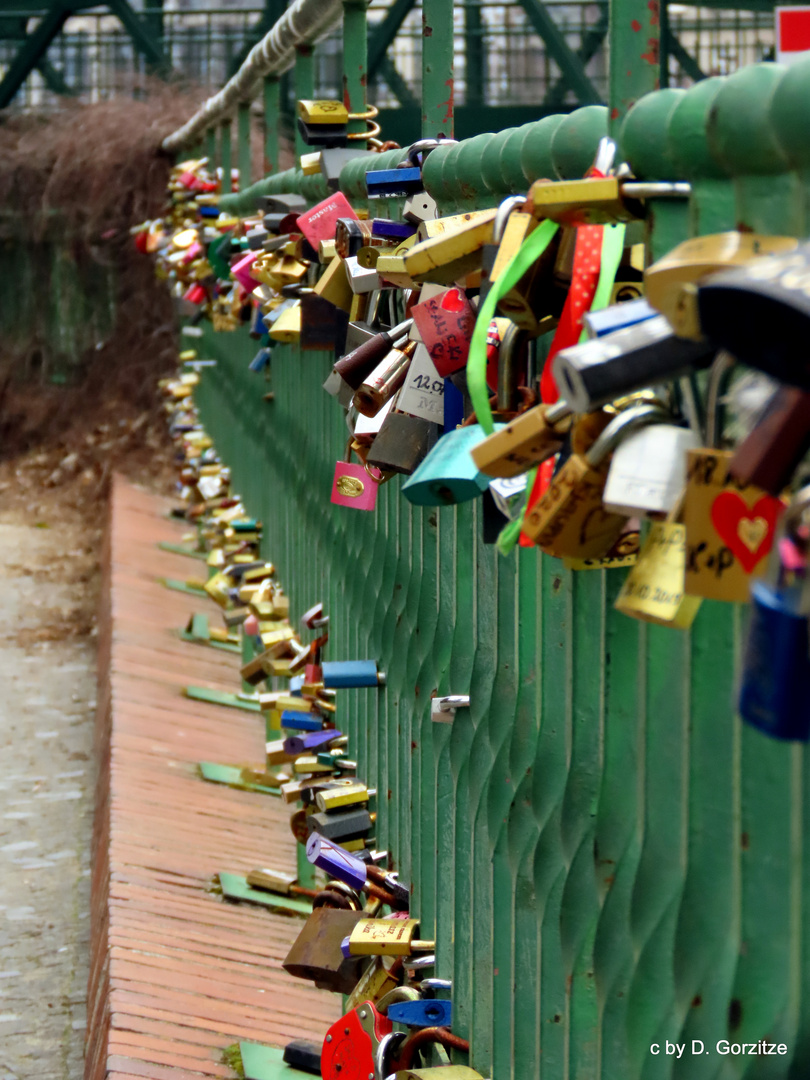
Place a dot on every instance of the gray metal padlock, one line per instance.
(647, 473)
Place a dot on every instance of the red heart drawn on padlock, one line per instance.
(454, 300)
(746, 531)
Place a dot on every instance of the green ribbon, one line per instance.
(524, 258)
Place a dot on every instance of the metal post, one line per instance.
(304, 85)
(355, 60)
(272, 99)
(663, 59)
(225, 155)
(437, 68)
(634, 52)
(243, 144)
(474, 58)
(211, 147)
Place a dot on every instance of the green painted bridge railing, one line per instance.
(611, 863)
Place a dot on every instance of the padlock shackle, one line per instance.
(718, 382)
(627, 421)
(512, 202)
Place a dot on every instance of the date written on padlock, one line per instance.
(387, 937)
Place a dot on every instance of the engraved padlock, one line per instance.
(570, 519)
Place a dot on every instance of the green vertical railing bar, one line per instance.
(304, 86)
(211, 146)
(634, 56)
(355, 60)
(272, 102)
(243, 144)
(225, 155)
(437, 68)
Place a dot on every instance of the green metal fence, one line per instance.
(611, 863)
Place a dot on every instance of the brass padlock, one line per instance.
(526, 441)
(450, 255)
(669, 282)
(316, 953)
(592, 201)
(569, 519)
(387, 937)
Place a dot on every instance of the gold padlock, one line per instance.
(569, 519)
(322, 112)
(443, 1072)
(654, 589)
(453, 253)
(333, 285)
(669, 282)
(527, 440)
(387, 937)
(592, 201)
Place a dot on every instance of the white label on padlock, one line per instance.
(422, 393)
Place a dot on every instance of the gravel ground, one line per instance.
(48, 585)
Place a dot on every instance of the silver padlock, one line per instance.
(648, 470)
(443, 709)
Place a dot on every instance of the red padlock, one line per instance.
(351, 1044)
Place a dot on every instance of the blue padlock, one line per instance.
(345, 674)
(427, 1012)
(776, 664)
(301, 721)
(389, 183)
(295, 684)
(260, 360)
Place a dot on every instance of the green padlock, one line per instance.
(448, 475)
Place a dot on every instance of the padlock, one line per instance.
(320, 222)
(648, 470)
(592, 201)
(310, 744)
(669, 283)
(368, 353)
(445, 323)
(322, 123)
(396, 183)
(354, 485)
(332, 160)
(532, 437)
(379, 979)
(425, 1012)
(347, 674)
(316, 952)
(387, 937)
(596, 372)
(654, 588)
(770, 453)
(452, 248)
(776, 662)
(351, 1044)
(380, 385)
(729, 527)
(402, 443)
(343, 794)
(422, 393)
(392, 231)
(569, 519)
(350, 235)
(448, 475)
(533, 304)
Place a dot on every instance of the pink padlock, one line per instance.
(320, 222)
(241, 271)
(446, 323)
(354, 487)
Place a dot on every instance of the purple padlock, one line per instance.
(336, 861)
(302, 744)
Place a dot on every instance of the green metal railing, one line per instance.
(610, 862)
(501, 60)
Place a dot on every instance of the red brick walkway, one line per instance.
(177, 974)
